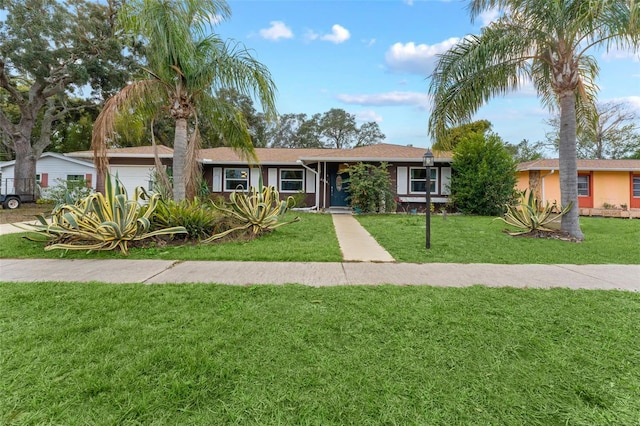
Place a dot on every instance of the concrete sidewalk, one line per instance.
(367, 264)
(602, 277)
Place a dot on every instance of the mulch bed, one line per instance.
(550, 235)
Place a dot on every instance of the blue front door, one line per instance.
(339, 189)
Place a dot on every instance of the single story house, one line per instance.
(134, 166)
(603, 185)
(51, 169)
(320, 173)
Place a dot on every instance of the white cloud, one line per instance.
(488, 16)
(367, 116)
(386, 99)
(409, 2)
(416, 58)
(632, 101)
(616, 53)
(276, 31)
(338, 34)
(369, 42)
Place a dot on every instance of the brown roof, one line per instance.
(133, 152)
(265, 155)
(583, 165)
(378, 152)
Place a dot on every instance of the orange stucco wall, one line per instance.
(611, 188)
(608, 187)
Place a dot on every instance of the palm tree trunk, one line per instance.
(179, 159)
(569, 164)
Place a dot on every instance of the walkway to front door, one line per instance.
(356, 244)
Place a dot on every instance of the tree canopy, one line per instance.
(186, 63)
(546, 42)
(50, 50)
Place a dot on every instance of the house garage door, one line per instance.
(133, 176)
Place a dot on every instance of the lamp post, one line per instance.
(428, 162)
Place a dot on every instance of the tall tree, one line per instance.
(547, 41)
(296, 131)
(50, 47)
(526, 151)
(369, 133)
(611, 130)
(339, 128)
(186, 64)
(452, 137)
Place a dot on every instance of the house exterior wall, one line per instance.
(51, 171)
(319, 193)
(611, 188)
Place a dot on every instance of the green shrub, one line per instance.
(66, 192)
(483, 176)
(529, 215)
(198, 217)
(257, 210)
(370, 188)
(101, 222)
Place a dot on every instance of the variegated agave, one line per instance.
(101, 222)
(529, 215)
(259, 209)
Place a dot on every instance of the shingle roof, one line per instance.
(583, 165)
(378, 152)
(133, 152)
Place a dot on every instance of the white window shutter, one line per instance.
(402, 182)
(311, 182)
(217, 180)
(445, 173)
(254, 177)
(273, 177)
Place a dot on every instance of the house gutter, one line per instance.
(317, 183)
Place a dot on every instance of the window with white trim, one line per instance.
(583, 185)
(236, 179)
(418, 180)
(636, 186)
(291, 180)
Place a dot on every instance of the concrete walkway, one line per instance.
(356, 244)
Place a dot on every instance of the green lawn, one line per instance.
(473, 239)
(459, 239)
(206, 354)
(311, 239)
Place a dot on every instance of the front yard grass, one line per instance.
(313, 239)
(477, 239)
(458, 239)
(206, 354)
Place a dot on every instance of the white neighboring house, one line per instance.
(134, 166)
(51, 169)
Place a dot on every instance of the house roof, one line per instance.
(52, 155)
(378, 152)
(583, 165)
(132, 152)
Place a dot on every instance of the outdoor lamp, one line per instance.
(428, 162)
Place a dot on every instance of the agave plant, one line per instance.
(101, 222)
(259, 209)
(529, 215)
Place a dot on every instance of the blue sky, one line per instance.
(372, 58)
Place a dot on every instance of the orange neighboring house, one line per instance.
(605, 187)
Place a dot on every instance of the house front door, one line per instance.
(339, 189)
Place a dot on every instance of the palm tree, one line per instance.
(545, 41)
(185, 67)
